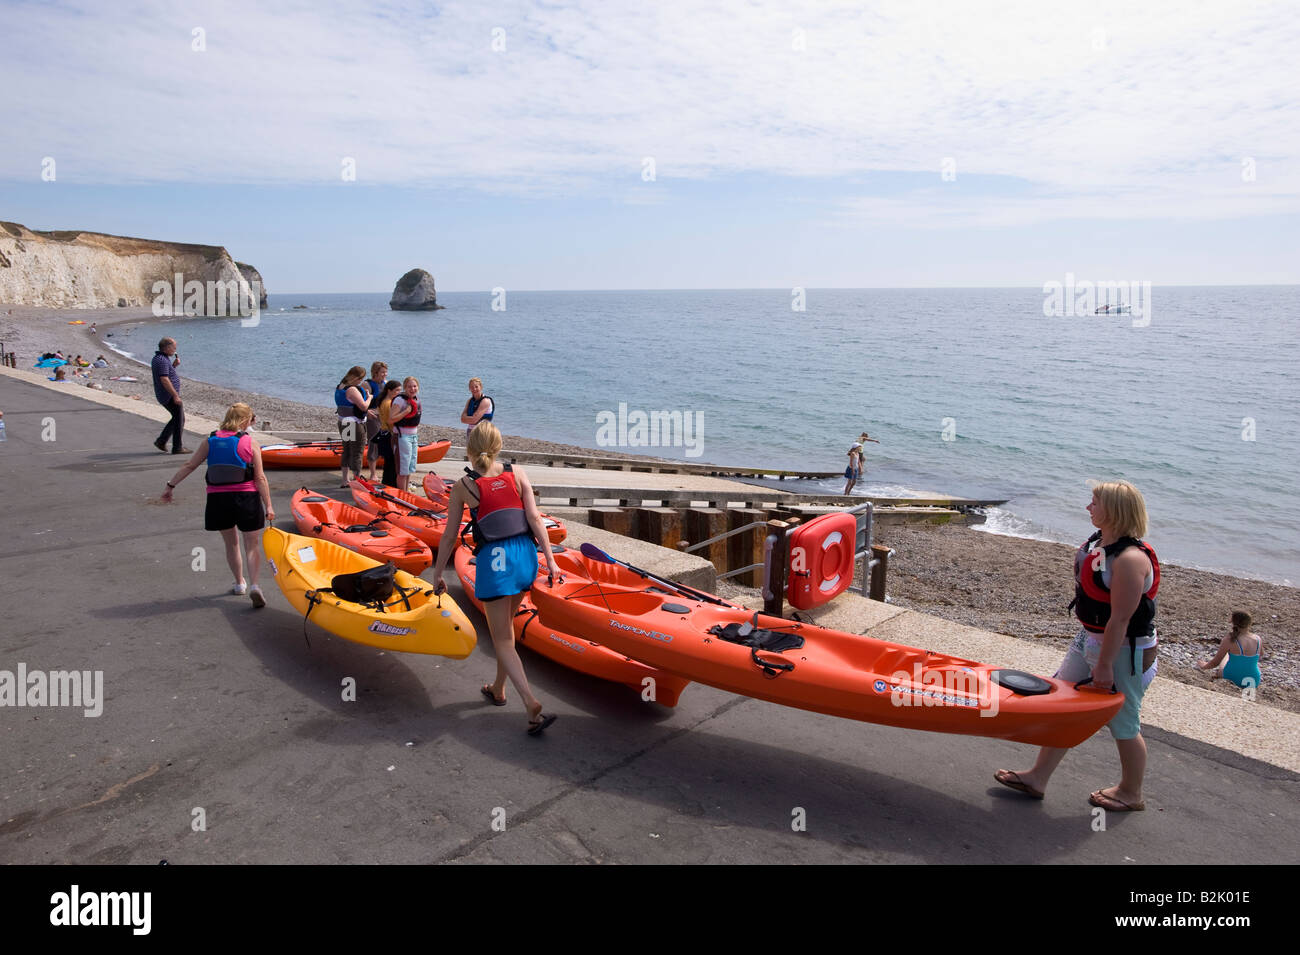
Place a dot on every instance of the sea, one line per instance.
(984, 393)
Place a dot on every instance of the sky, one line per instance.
(667, 145)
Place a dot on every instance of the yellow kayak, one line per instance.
(419, 622)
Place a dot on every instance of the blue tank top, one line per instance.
(473, 407)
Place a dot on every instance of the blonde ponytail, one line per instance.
(483, 446)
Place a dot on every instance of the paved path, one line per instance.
(212, 706)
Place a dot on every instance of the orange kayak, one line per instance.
(413, 513)
(319, 516)
(436, 489)
(577, 654)
(708, 640)
(329, 454)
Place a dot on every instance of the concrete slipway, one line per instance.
(215, 711)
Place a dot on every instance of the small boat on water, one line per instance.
(1113, 310)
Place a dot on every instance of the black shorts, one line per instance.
(227, 509)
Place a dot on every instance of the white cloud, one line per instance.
(1156, 122)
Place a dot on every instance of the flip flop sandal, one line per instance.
(1011, 779)
(544, 720)
(1111, 804)
(492, 697)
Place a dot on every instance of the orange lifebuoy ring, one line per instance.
(821, 560)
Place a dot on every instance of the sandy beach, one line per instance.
(1003, 584)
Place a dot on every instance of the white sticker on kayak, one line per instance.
(306, 554)
(378, 627)
(275, 571)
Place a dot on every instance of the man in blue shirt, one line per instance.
(167, 389)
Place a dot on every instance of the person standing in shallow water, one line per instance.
(1116, 577)
(857, 460)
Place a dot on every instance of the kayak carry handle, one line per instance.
(1096, 689)
(771, 670)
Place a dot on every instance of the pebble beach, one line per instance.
(1008, 585)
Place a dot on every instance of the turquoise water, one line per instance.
(1037, 404)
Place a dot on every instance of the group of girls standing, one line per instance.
(381, 418)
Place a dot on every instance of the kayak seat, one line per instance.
(746, 634)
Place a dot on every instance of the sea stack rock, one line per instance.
(414, 293)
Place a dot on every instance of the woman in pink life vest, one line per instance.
(508, 529)
(239, 497)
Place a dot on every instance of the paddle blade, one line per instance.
(589, 549)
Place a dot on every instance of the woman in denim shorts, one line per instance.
(1112, 657)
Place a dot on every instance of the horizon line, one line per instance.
(833, 288)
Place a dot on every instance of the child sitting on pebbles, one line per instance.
(1242, 667)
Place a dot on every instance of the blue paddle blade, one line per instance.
(595, 553)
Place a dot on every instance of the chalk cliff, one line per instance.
(92, 270)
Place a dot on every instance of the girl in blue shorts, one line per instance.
(506, 525)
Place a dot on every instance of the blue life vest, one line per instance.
(472, 406)
(225, 466)
(347, 409)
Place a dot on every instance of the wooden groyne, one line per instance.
(651, 466)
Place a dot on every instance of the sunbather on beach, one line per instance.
(1242, 667)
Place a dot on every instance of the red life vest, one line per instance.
(1091, 602)
(500, 510)
(411, 420)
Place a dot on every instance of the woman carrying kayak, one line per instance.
(1116, 578)
(238, 494)
(506, 526)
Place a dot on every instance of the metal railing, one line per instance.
(723, 536)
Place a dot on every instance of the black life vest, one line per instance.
(412, 419)
(1091, 603)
